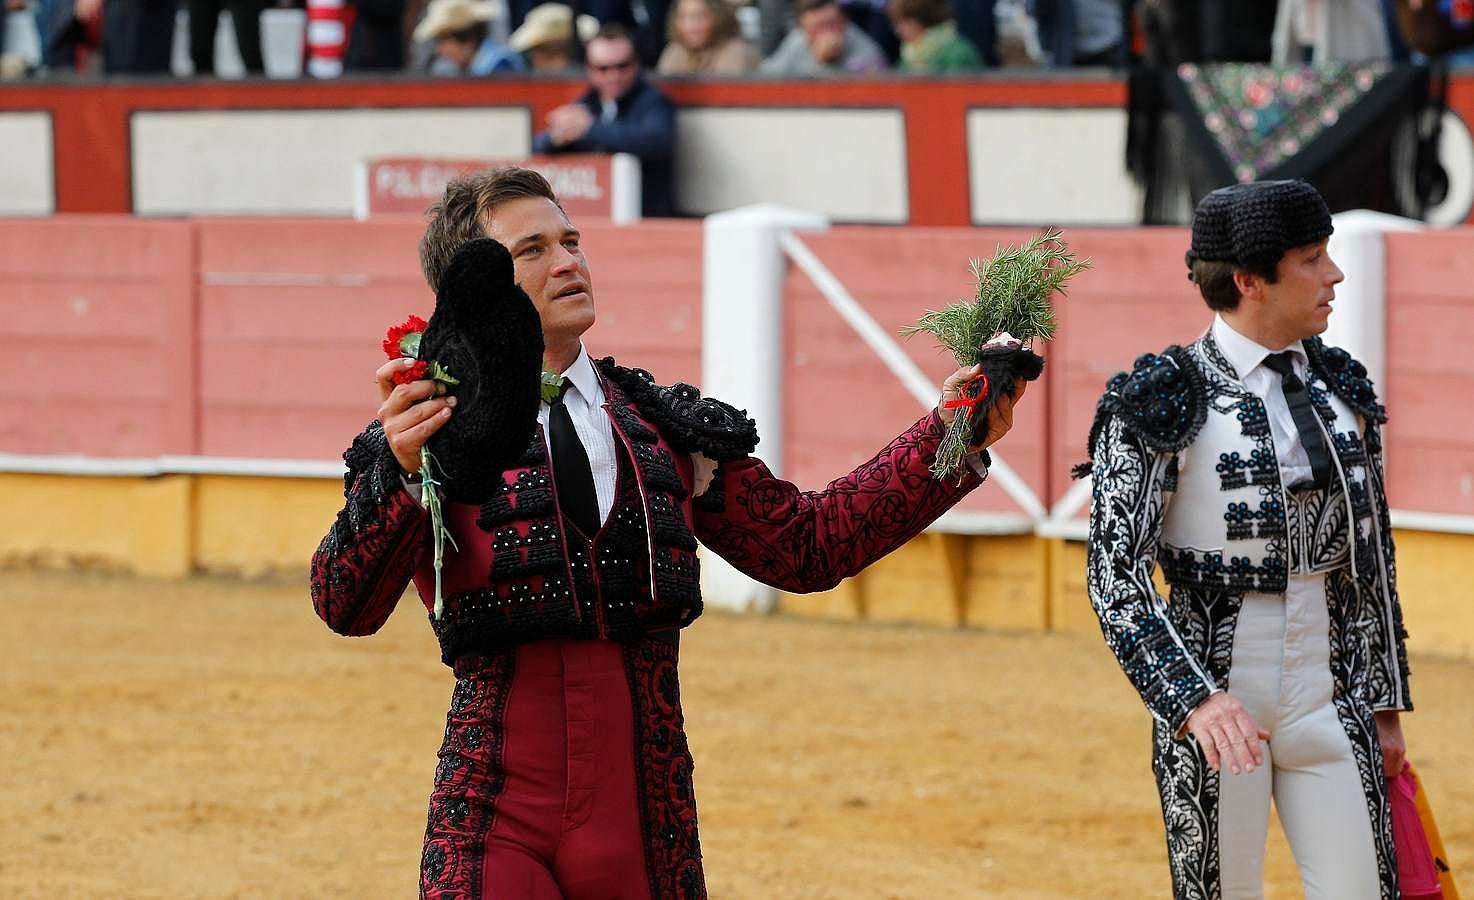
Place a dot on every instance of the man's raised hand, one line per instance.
(410, 412)
(1000, 417)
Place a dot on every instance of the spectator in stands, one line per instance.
(461, 32)
(377, 40)
(1084, 32)
(929, 38)
(1099, 33)
(704, 40)
(11, 65)
(620, 112)
(245, 18)
(824, 43)
(1320, 32)
(545, 37)
(645, 20)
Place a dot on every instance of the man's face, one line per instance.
(824, 27)
(550, 57)
(1299, 303)
(547, 262)
(612, 65)
(456, 51)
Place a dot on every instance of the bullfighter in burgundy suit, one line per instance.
(564, 771)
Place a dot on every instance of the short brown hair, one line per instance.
(458, 216)
(1214, 279)
(929, 13)
(808, 6)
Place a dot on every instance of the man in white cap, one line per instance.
(461, 32)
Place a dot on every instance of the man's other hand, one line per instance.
(1227, 734)
(1394, 745)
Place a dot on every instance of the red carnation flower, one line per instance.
(404, 339)
(414, 373)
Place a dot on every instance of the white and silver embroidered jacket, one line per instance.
(1186, 475)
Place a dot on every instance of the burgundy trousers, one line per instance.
(546, 787)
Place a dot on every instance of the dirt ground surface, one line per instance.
(211, 739)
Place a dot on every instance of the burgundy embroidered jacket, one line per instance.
(521, 574)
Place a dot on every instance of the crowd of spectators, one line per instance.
(692, 38)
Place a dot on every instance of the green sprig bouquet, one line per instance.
(1015, 290)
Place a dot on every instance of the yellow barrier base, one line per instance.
(172, 525)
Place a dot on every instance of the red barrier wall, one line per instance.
(292, 312)
(258, 338)
(97, 315)
(1430, 371)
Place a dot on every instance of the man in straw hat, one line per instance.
(545, 37)
(461, 32)
(1249, 464)
(565, 772)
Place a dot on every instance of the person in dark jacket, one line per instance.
(136, 35)
(619, 113)
(377, 41)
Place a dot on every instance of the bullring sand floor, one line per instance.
(211, 739)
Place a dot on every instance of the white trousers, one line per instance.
(1281, 673)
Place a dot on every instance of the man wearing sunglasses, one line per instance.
(619, 113)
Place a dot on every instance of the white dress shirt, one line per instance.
(1247, 358)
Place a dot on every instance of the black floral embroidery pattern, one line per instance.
(807, 541)
(468, 780)
(369, 554)
(1125, 523)
(664, 772)
(1349, 673)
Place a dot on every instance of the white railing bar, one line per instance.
(966, 521)
(78, 464)
(896, 360)
(1428, 521)
(1074, 500)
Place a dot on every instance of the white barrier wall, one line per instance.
(1062, 166)
(849, 165)
(26, 173)
(297, 162)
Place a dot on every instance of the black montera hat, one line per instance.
(1254, 224)
(487, 334)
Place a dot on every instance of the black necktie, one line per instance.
(1311, 434)
(571, 472)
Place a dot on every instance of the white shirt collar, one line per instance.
(1246, 355)
(585, 379)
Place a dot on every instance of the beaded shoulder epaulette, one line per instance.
(690, 422)
(1347, 378)
(1162, 400)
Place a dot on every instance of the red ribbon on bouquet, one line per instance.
(963, 401)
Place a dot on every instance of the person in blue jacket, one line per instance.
(620, 112)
